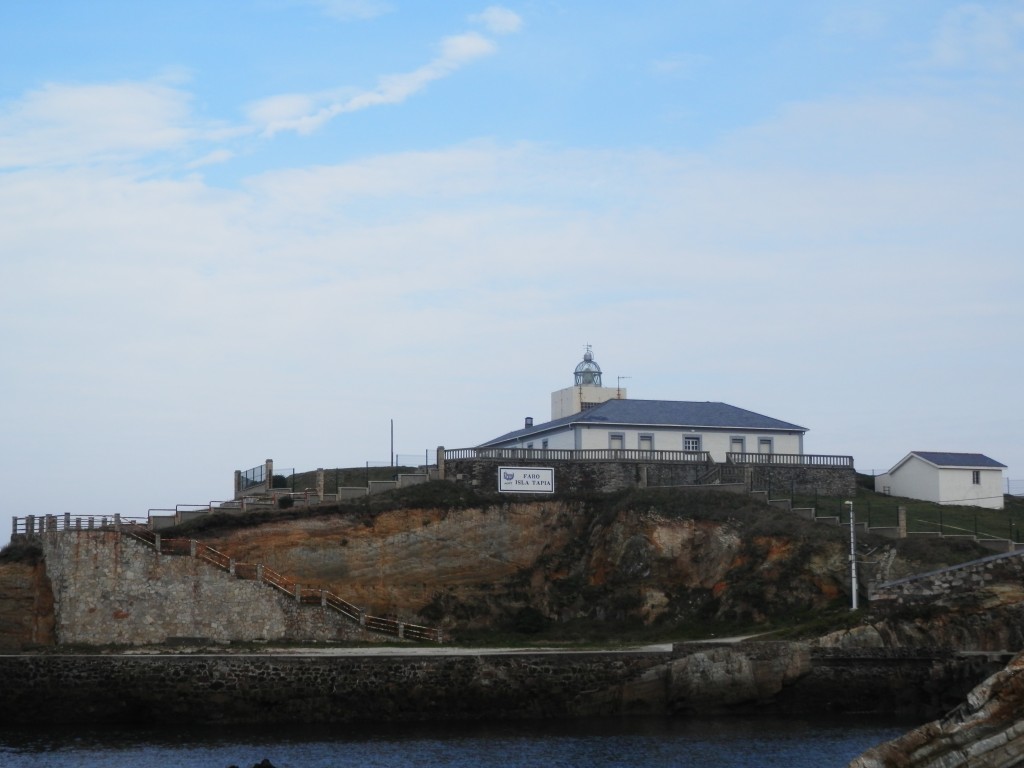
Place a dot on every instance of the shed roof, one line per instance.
(960, 460)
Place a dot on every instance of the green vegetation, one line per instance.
(25, 552)
(879, 511)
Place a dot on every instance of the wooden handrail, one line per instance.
(305, 595)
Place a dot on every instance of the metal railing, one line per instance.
(561, 454)
(139, 530)
(252, 477)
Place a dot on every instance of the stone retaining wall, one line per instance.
(607, 476)
(111, 590)
(771, 678)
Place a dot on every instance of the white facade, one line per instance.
(660, 438)
(967, 479)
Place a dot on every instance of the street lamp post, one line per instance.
(853, 559)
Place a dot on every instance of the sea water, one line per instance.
(593, 743)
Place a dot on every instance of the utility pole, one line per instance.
(853, 558)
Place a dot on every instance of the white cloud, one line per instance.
(498, 20)
(216, 157)
(67, 124)
(984, 37)
(305, 113)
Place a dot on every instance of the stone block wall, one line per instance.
(772, 678)
(825, 481)
(950, 582)
(111, 590)
(606, 476)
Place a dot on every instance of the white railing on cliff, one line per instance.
(790, 460)
(139, 530)
(560, 454)
(631, 454)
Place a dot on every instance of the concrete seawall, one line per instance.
(396, 686)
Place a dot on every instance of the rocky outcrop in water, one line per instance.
(986, 731)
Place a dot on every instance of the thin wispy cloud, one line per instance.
(679, 64)
(306, 113)
(347, 10)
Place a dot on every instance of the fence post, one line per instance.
(117, 521)
(362, 617)
(231, 566)
(78, 523)
(156, 542)
(192, 547)
(320, 484)
(401, 631)
(67, 520)
(259, 572)
(440, 462)
(901, 521)
(298, 593)
(323, 598)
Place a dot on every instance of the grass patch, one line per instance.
(879, 510)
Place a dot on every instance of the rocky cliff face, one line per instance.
(554, 560)
(26, 607)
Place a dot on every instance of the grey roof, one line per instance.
(945, 459)
(660, 413)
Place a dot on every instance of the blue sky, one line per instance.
(246, 230)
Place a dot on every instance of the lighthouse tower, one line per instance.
(586, 392)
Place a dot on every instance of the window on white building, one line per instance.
(691, 443)
(976, 477)
(764, 445)
(737, 445)
(646, 442)
(616, 441)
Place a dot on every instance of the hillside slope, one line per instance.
(706, 561)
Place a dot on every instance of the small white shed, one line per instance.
(970, 479)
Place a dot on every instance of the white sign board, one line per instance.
(526, 480)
